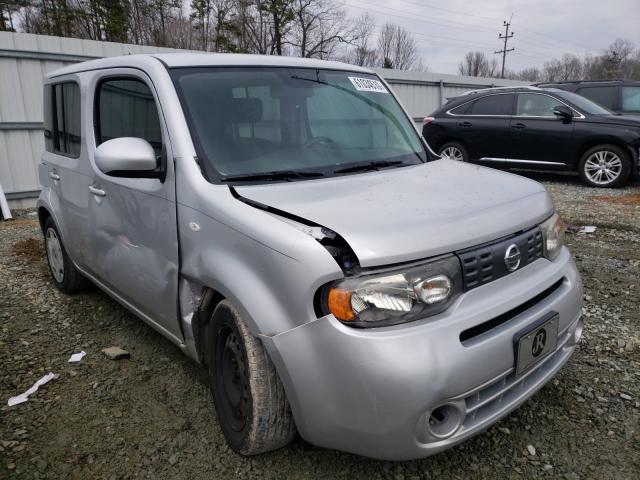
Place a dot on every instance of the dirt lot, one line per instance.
(152, 417)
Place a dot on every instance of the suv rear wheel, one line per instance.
(605, 166)
(250, 400)
(454, 151)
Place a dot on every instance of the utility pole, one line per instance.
(505, 37)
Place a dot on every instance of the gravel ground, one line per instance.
(151, 416)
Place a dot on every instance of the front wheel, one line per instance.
(454, 151)
(250, 400)
(605, 166)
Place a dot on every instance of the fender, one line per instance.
(272, 290)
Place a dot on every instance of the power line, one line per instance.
(455, 12)
(506, 38)
(549, 42)
(414, 17)
(434, 38)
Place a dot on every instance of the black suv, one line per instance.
(537, 128)
(620, 96)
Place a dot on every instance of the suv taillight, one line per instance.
(427, 120)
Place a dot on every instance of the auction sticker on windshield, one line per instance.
(368, 85)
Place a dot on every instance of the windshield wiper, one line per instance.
(286, 175)
(377, 165)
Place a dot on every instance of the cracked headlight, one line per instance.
(395, 296)
(552, 236)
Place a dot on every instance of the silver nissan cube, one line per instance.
(284, 224)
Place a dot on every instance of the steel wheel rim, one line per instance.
(54, 255)
(234, 379)
(603, 167)
(452, 153)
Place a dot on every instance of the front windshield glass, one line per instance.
(584, 103)
(293, 122)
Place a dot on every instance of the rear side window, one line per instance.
(462, 109)
(62, 119)
(126, 108)
(605, 96)
(631, 99)
(535, 105)
(493, 105)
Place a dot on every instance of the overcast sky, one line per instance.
(543, 29)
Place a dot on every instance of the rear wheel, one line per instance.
(249, 397)
(454, 151)
(64, 274)
(605, 166)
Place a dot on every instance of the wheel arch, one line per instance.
(452, 139)
(43, 215)
(596, 141)
(209, 300)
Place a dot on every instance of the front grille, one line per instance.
(484, 403)
(486, 263)
(471, 333)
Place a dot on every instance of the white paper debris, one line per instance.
(587, 229)
(76, 357)
(23, 397)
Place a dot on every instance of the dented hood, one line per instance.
(414, 212)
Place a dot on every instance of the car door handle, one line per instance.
(519, 126)
(54, 175)
(464, 124)
(97, 191)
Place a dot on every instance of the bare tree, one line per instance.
(319, 28)
(396, 47)
(531, 74)
(476, 64)
(363, 53)
(569, 67)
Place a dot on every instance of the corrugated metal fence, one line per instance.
(25, 58)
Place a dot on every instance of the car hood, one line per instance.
(409, 213)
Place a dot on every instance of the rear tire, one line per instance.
(605, 166)
(64, 274)
(250, 401)
(454, 151)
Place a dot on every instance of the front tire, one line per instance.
(454, 151)
(605, 166)
(64, 274)
(250, 400)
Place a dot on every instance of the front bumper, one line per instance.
(371, 391)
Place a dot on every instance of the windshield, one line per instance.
(283, 123)
(584, 103)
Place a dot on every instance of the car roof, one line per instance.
(177, 60)
(473, 94)
(616, 81)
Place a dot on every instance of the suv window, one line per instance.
(126, 108)
(605, 96)
(501, 104)
(62, 118)
(536, 105)
(463, 109)
(631, 99)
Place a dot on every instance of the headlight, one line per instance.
(552, 236)
(394, 297)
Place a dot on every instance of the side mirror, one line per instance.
(563, 112)
(126, 157)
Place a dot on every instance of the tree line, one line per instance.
(621, 59)
(305, 28)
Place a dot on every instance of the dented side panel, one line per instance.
(272, 290)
